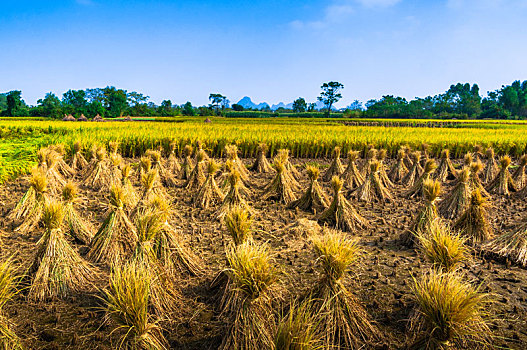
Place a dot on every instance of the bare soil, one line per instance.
(382, 280)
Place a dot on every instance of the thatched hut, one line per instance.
(68, 118)
(98, 118)
(82, 118)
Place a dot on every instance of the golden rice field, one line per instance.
(306, 138)
(274, 234)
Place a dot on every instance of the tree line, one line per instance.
(462, 101)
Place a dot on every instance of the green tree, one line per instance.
(50, 106)
(95, 107)
(3, 103)
(116, 101)
(237, 107)
(74, 102)
(312, 107)
(299, 105)
(188, 110)
(16, 107)
(330, 94)
(166, 109)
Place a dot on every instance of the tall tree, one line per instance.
(74, 102)
(217, 101)
(116, 101)
(330, 94)
(50, 106)
(299, 105)
(16, 107)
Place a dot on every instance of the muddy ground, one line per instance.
(382, 280)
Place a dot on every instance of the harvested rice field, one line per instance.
(192, 247)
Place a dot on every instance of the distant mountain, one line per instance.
(247, 103)
(282, 105)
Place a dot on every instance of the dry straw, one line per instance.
(282, 186)
(399, 169)
(446, 170)
(451, 313)
(383, 175)
(352, 176)
(57, 269)
(417, 189)
(341, 214)
(27, 212)
(491, 167)
(9, 340)
(503, 183)
(474, 224)
(373, 189)
(233, 198)
(456, 202)
(115, 240)
(187, 166)
(79, 228)
(314, 198)
(442, 248)
(128, 297)
(426, 215)
(78, 161)
(209, 193)
(415, 170)
(335, 168)
(340, 316)
(261, 164)
(250, 322)
(519, 176)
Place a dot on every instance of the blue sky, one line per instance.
(269, 50)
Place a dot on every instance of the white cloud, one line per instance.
(334, 13)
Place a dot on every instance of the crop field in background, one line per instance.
(306, 138)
